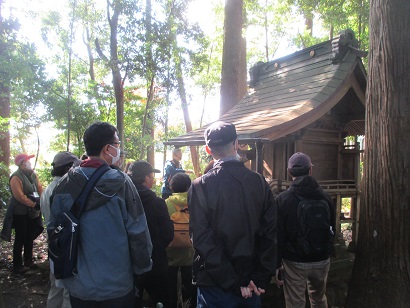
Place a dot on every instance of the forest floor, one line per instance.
(30, 289)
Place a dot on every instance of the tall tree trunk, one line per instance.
(381, 274)
(147, 126)
(4, 128)
(233, 81)
(4, 110)
(115, 68)
(187, 119)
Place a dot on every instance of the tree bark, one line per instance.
(233, 81)
(4, 128)
(187, 119)
(381, 274)
(4, 111)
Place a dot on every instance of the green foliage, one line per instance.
(346, 202)
(267, 22)
(44, 176)
(337, 15)
(5, 193)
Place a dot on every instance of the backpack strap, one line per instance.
(200, 192)
(79, 204)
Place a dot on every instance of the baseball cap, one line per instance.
(299, 159)
(64, 158)
(21, 158)
(141, 168)
(220, 133)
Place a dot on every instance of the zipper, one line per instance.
(73, 225)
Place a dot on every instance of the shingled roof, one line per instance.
(292, 92)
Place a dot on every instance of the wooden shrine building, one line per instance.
(311, 101)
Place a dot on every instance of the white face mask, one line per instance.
(117, 157)
(28, 165)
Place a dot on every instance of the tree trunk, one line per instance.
(4, 128)
(233, 82)
(381, 274)
(4, 113)
(184, 105)
(115, 70)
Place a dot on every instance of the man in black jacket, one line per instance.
(232, 226)
(161, 230)
(304, 259)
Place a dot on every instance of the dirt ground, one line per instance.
(30, 289)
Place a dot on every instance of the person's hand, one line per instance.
(279, 277)
(254, 288)
(246, 292)
(251, 288)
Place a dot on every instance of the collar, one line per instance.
(225, 159)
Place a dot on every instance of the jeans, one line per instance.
(126, 301)
(214, 297)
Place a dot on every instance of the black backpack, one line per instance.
(63, 236)
(315, 236)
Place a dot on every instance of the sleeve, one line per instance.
(16, 187)
(206, 247)
(166, 224)
(39, 186)
(266, 242)
(280, 232)
(139, 239)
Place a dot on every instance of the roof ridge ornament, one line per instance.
(254, 73)
(343, 43)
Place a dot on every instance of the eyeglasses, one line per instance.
(117, 143)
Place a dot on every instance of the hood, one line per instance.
(107, 186)
(146, 194)
(306, 186)
(179, 199)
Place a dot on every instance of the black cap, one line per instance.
(141, 168)
(65, 158)
(220, 133)
(299, 159)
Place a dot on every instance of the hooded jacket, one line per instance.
(114, 238)
(160, 226)
(178, 256)
(234, 229)
(287, 204)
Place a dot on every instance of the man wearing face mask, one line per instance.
(26, 190)
(114, 239)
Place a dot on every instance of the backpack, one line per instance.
(181, 228)
(63, 236)
(314, 229)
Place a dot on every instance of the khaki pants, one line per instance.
(299, 275)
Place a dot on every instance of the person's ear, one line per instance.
(208, 150)
(236, 145)
(310, 171)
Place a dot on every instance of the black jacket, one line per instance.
(160, 226)
(287, 203)
(234, 231)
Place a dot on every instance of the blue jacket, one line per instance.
(114, 237)
(170, 169)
